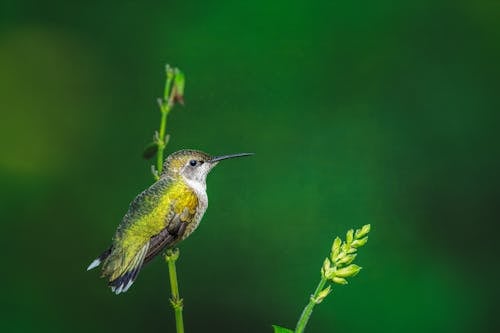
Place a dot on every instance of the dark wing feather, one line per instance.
(169, 236)
(124, 281)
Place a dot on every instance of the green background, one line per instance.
(380, 112)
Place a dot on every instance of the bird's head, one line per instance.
(193, 165)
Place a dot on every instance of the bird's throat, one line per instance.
(199, 187)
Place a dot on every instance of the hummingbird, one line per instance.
(160, 217)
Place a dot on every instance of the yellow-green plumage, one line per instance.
(174, 197)
(160, 217)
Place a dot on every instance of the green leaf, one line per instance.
(279, 329)
(150, 150)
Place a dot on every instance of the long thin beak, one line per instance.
(225, 157)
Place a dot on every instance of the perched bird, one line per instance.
(160, 217)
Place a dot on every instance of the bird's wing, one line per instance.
(158, 217)
(131, 240)
(174, 231)
(124, 281)
(145, 203)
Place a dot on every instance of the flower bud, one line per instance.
(339, 280)
(349, 237)
(169, 71)
(339, 257)
(347, 259)
(336, 248)
(326, 270)
(348, 271)
(322, 294)
(179, 82)
(359, 242)
(360, 233)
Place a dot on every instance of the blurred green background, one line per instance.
(378, 112)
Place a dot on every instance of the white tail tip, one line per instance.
(94, 264)
(128, 285)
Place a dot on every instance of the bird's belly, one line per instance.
(200, 211)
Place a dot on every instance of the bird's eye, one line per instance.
(192, 162)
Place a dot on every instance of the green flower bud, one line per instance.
(327, 269)
(336, 248)
(349, 237)
(348, 271)
(169, 71)
(339, 257)
(360, 233)
(359, 242)
(346, 260)
(352, 250)
(179, 82)
(322, 294)
(339, 280)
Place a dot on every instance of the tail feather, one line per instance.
(122, 283)
(97, 261)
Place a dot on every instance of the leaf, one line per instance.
(150, 150)
(279, 329)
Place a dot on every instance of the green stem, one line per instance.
(166, 104)
(171, 257)
(306, 313)
(165, 109)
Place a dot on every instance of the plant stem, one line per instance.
(171, 257)
(165, 110)
(306, 313)
(165, 106)
(173, 89)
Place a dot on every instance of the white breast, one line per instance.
(200, 188)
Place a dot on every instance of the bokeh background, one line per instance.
(380, 112)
